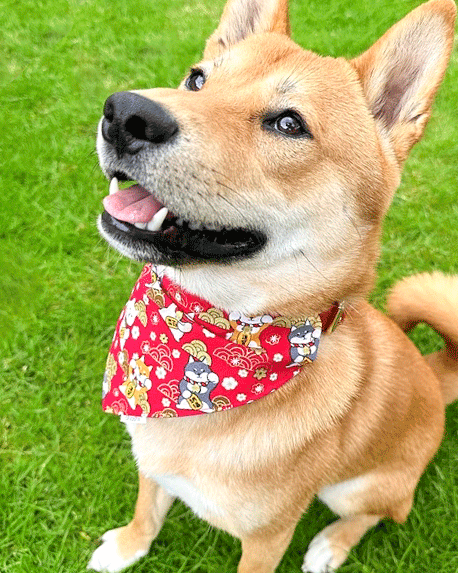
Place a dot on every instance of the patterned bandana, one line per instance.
(173, 354)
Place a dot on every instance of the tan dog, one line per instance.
(271, 170)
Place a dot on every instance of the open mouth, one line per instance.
(134, 218)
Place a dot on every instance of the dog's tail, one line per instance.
(433, 299)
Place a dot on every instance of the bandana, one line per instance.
(174, 354)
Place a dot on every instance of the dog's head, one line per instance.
(263, 179)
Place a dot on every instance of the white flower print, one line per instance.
(175, 353)
(235, 361)
(160, 372)
(241, 397)
(153, 336)
(165, 402)
(230, 383)
(207, 333)
(274, 339)
(243, 373)
(273, 376)
(135, 332)
(257, 388)
(145, 346)
(155, 318)
(278, 357)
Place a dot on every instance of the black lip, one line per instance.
(178, 245)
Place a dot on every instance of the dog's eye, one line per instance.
(288, 123)
(195, 81)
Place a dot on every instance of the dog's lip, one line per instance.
(181, 244)
(135, 217)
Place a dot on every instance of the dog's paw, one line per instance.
(321, 557)
(108, 558)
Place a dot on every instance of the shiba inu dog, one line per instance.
(261, 184)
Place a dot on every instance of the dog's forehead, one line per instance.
(279, 62)
(270, 70)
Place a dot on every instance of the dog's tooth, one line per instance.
(195, 226)
(114, 187)
(212, 227)
(140, 226)
(180, 222)
(156, 222)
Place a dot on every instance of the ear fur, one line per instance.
(401, 72)
(241, 18)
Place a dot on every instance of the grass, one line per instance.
(66, 472)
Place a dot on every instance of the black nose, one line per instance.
(130, 120)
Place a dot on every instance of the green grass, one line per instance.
(66, 473)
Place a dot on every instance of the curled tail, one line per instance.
(433, 299)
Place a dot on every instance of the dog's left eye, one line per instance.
(195, 81)
(288, 123)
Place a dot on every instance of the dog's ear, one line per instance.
(241, 18)
(401, 72)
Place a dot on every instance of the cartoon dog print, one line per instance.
(196, 386)
(247, 330)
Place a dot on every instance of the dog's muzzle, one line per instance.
(135, 222)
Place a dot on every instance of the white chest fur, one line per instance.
(199, 501)
(208, 471)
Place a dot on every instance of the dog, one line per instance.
(261, 184)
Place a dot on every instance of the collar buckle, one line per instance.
(338, 318)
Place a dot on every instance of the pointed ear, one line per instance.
(241, 18)
(401, 73)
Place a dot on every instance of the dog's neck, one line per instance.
(226, 290)
(251, 292)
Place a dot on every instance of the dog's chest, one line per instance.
(205, 472)
(202, 500)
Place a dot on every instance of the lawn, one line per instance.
(66, 473)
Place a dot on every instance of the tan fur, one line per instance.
(433, 299)
(359, 426)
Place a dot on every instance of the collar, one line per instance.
(174, 354)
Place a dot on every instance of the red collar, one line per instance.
(166, 338)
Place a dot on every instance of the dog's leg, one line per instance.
(123, 546)
(262, 553)
(330, 548)
(361, 502)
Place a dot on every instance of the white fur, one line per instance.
(107, 557)
(341, 497)
(319, 556)
(184, 489)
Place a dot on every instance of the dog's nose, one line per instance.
(130, 120)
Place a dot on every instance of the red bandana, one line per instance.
(173, 354)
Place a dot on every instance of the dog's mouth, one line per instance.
(146, 229)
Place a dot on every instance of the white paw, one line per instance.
(320, 557)
(107, 557)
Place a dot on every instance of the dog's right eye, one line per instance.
(288, 123)
(195, 81)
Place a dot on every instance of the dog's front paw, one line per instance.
(321, 557)
(111, 556)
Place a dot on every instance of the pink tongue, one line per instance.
(133, 205)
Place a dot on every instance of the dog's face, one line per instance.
(268, 156)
